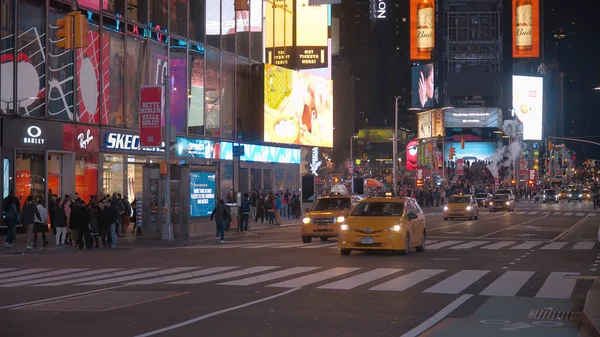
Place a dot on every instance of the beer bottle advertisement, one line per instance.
(422, 29)
(526, 28)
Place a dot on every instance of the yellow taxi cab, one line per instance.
(324, 219)
(564, 194)
(383, 223)
(461, 206)
(585, 194)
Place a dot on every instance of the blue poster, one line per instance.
(202, 193)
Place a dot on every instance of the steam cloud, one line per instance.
(506, 155)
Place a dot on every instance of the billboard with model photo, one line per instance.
(422, 29)
(528, 104)
(423, 89)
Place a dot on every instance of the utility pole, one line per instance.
(395, 147)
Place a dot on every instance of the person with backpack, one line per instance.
(221, 216)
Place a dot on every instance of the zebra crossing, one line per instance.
(451, 244)
(541, 213)
(430, 281)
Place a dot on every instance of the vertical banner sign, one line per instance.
(422, 29)
(151, 116)
(526, 28)
(460, 167)
(420, 177)
(438, 123)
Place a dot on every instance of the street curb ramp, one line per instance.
(591, 310)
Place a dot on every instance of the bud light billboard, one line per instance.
(202, 193)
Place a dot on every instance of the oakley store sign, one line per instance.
(119, 141)
(23, 133)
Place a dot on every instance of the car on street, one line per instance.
(564, 194)
(384, 223)
(483, 199)
(550, 195)
(587, 195)
(502, 202)
(507, 191)
(324, 218)
(461, 206)
(576, 195)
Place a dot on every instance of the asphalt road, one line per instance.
(486, 276)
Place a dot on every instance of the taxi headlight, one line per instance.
(340, 219)
(580, 195)
(396, 228)
(469, 208)
(306, 221)
(344, 227)
(445, 208)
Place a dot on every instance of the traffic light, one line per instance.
(531, 183)
(451, 154)
(462, 143)
(81, 30)
(65, 32)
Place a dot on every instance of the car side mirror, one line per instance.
(411, 216)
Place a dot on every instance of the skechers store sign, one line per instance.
(115, 141)
(211, 149)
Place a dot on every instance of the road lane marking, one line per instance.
(406, 281)
(563, 234)
(264, 245)
(429, 242)
(162, 272)
(2, 270)
(533, 213)
(557, 213)
(499, 245)
(59, 278)
(568, 213)
(554, 245)
(320, 245)
(469, 245)
(313, 278)
(527, 245)
(360, 279)
(557, 285)
(457, 282)
(201, 272)
(295, 245)
(508, 284)
(442, 244)
(42, 275)
(463, 223)
(231, 274)
(97, 277)
(584, 245)
(512, 227)
(270, 276)
(580, 214)
(592, 214)
(440, 315)
(23, 272)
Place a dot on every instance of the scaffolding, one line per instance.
(473, 36)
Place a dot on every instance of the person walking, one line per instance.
(11, 217)
(244, 213)
(40, 223)
(278, 206)
(106, 222)
(60, 223)
(260, 208)
(221, 216)
(28, 214)
(94, 212)
(81, 219)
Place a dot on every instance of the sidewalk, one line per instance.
(591, 310)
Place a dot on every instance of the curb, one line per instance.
(591, 310)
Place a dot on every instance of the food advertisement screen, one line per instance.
(422, 29)
(423, 89)
(528, 105)
(202, 193)
(298, 108)
(526, 29)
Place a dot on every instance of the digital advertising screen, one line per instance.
(423, 86)
(425, 124)
(528, 104)
(526, 29)
(298, 108)
(422, 29)
(279, 31)
(412, 149)
(473, 150)
(311, 35)
(202, 193)
(473, 117)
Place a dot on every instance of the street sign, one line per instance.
(238, 150)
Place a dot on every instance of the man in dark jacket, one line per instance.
(116, 205)
(81, 218)
(244, 213)
(221, 216)
(29, 212)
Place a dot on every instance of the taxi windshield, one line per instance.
(480, 195)
(550, 192)
(330, 204)
(501, 197)
(459, 200)
(378, 209)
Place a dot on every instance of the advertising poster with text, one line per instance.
(526, 29)
(150, 116)
(202, 193)
(528, 104)
(422, 29)
(311, 35)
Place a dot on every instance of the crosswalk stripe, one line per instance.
(264, 245)
(96, 277)
(580, 214)
(557, 213)
(584, 245)
(469, 245)
(592, 214)
(314, 278)
(23, 272)
(231, 274)
(321, 245)
(226, 246)
(202, 272)
(42, 275)
(557, 285)
(295, 245)
(358, 280)
(2, 270)
(195, 247)
(58, 278)
(568, 213)
(429, 242)
(406, 281)
(499, 245)
(508, 284)
(533, 213)
(270, 276)
(554, 245)
(443, 244)
(162, 272)
(457, 282)
(527, 245)
(520, 212)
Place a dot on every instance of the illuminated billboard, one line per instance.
(279, 32)
(311, 35)
(431, 124)
(422, 29)
(411, 155)
(528, 104)
(526, 29)
(473, 117)
(423, 89)
(298, 108)
(473, 150)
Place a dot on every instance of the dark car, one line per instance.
(550, 195)
(483, 199)
(502, 202)
(575, 195)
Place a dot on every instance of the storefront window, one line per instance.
(90, 64)
(228, 95)
(213, 93)
(60, 75)
(113, 171)
(226, 181)
(178, 84)
(135, 76)
(196, 25)
(228, 26)
(179, 17)
(157, 67)
(158, 14)
(213, 23)
(30, 172)
(137, 11)
(86, 175)
(256, 35)
(115, 7)
(30, 44)
(135, 168)
(195, 120)
(114, 115)
(55, 170)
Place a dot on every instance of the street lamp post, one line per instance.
(352, 163)
(395, 146)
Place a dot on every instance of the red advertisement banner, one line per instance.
(151, 116)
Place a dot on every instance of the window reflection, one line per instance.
(158, 14)
(228, 92)
(137, 11)
(135, 77)
(212, 94)
(228, 26)
(196, 25)
(178, 85)
(213, 23)
(178, 17)
(114, 115)
(196, 91)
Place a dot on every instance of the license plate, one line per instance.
(366, 241)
